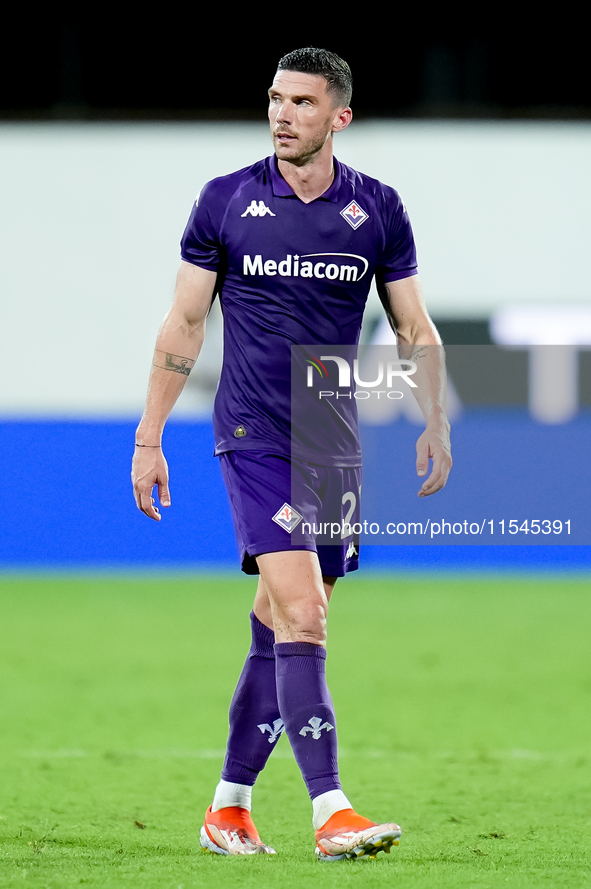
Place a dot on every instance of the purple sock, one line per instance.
(255, 722)
(307, 711)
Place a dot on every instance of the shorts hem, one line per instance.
(338, 571)
(248, 561)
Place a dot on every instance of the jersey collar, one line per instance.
(281, 189)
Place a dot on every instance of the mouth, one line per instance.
(284, 138)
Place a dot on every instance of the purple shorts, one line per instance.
(280, 504)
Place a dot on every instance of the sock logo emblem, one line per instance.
(316, 727)
(275, 730)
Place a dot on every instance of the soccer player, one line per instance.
(290, 244)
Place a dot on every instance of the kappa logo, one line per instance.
(351, 552)
(354, 214)
(274, 730)
(287, 518)
(314, 726)
(257, 208)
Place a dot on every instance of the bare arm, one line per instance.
(418, 339)
(178, 345)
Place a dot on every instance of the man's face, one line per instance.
(302, 116)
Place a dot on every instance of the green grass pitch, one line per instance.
(464, 708)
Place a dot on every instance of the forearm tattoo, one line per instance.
(175, 363)
(419, 353)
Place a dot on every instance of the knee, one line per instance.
(302, 621)
(293, 584)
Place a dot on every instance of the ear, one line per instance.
(342, 118)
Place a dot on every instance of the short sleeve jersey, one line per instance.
(291, 273)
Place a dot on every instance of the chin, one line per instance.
(291, 153)
(287, 150)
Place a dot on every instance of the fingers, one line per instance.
(146, 505)
(440, 470)
(145, 479)
(439, 475)
(164, 494)
(144, 500)
(422, 456)
(435, 482)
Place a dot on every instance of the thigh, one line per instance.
(298, 603)
(265, 515)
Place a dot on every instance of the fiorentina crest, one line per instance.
(354, 215)
(287, 517)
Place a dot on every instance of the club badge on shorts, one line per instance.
(287, 517)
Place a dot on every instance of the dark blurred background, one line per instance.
(170, 63)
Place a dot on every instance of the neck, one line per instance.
(309, 180)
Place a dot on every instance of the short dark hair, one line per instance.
(335, 70)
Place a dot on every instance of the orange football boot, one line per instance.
(231, 831)
(348, 835)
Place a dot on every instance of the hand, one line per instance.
(434, 443)
(149, 468)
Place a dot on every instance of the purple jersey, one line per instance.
(291, 273)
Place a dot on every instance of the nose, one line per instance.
(284, 113)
